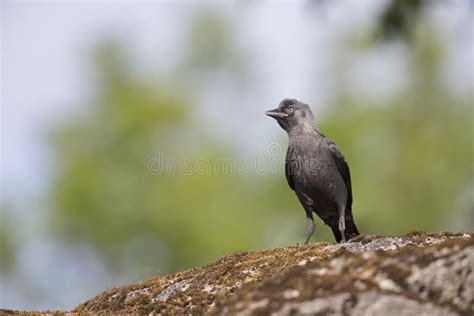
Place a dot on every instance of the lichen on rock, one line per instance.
(434, 279)
(416, 274)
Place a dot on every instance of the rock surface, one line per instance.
(416, 274)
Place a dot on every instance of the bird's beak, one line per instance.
(276, 113)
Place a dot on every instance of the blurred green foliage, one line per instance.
(107, 196)
(399, 18)
(410, 156)
(7, 239)
(212, 47)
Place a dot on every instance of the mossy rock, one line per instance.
(415, 274)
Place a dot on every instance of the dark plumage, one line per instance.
(316, 170)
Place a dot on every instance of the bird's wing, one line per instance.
(289, 172)
(342, 166)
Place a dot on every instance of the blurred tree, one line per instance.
(411, 155)
(212, 47)
(399, 17)
(118, 185)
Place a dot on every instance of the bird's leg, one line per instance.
(342, 223)
(309, 216)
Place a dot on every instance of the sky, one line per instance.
(46, 75)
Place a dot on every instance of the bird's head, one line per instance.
(293, 115)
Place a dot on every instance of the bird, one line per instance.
(316, 171)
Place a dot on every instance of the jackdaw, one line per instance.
(316, 170)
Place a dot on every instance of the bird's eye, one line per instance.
(290, 110)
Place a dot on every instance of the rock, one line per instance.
(436, 279)
(416, 274)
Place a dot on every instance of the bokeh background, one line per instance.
(92, 92)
